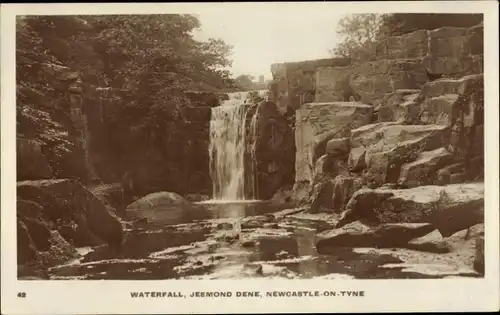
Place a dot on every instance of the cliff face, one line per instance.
(411, 116)
(404, 62)
(296, 81)
(52, 133)
(68, 131)
(69, 138)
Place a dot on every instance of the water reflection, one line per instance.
(239, 209)
(307, 247)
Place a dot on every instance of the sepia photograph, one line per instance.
(139, 156)
(211, 146)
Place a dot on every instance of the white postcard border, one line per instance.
(80, 297)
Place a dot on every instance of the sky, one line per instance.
(260, 39)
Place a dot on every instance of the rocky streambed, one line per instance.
(264, 240)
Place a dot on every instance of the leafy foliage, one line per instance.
(360, 32)
(136, 68)
(244, 81)
(402, 23)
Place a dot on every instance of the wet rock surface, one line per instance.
(450, 208)
(274, 243)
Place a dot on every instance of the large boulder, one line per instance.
(164, 208)
(72, 210)
(359, 235)
(318, 123)
(388, 146)
(449, 208)
(338, 147)
(432, 242)
(423, 171)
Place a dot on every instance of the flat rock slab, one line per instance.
(449, 208)
(458, 261)
(359, 235)
(288, 212)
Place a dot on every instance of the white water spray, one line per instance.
(227, 148)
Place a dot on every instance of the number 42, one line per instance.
(21, 294)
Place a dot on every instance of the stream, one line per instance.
(250, 240)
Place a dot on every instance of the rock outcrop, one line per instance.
(387, 147)
(56, 216)
(79, 216)
(418, 120)
(66, 128)
(318, 123)
(449, 208)
(296, 81)
(359, 235)
(369, 82)
(395, 144)
(52, 136)
(164, 208)
(272, 148)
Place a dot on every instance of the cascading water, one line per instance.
(227, 148)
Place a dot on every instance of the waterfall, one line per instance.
(253, 163)
(227, 148)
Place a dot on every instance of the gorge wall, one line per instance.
(75, 175)
(410, 116)
(69, 131)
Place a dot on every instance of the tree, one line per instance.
(402, 23)
(360, 32)
(244, 81)
(148, 60)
